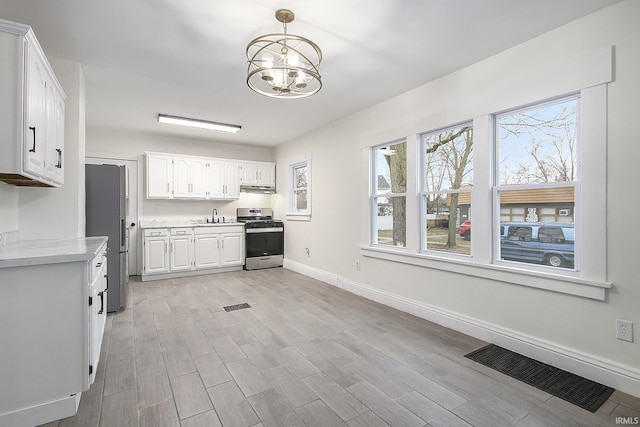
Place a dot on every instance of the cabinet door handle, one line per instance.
(98, 265)
(59, 165)
(106, 278)
(167, 187)
(33, 150)
(101, 294)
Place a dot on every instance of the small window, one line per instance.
(519, 234)
(299, 206)
(550, 235)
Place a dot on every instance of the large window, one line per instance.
(389, 199)
(536, 178)
(517, 196)
(447, 180)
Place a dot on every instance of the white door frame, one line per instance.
(133, 207)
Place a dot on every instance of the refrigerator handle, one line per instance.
(123, 234)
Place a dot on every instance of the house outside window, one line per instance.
(447, 180)
(389, 199)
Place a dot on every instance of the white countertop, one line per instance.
(49, 251)
(185, 223)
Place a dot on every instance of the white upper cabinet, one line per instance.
(159, 176)
(267, 174)
(257, 174)
(248, 173)
(223, 179)
(190, 177)
(173, 176)
(31, 111)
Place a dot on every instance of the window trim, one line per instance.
(292, 213)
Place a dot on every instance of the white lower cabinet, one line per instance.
(179, 251)
(52, 320)
(232, 252)
(207, 250)
(156, 251)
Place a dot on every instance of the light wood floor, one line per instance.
(305, 353)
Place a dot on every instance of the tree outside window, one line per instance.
(447, 180)
(389, 194)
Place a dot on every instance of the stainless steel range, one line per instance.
(264, 238)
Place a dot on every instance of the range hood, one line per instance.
(265, 189)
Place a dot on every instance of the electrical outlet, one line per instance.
(357, 265)
(624, 330)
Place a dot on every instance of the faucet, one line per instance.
(213, 215)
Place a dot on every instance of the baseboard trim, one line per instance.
(620, 377)
(42, 413)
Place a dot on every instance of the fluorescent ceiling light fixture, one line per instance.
(195, 123)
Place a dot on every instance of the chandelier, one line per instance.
(284, 65)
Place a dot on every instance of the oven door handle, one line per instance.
(264, 230)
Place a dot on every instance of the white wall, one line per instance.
(574, 328)
(8, 207)
(127, 145)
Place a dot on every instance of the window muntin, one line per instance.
(536, 177)
(447, 180)
(389, 201)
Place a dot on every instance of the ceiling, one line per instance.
(187, 57)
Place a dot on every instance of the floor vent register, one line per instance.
(580, 391)
(236, 307)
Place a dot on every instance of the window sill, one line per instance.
(295, 216)
(541, 280)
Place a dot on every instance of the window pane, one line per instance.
(300, 177)
(545, 233)
(447, 164)
(390, 224)
(538, 144)
(300, 200)
(448, 160)
(391, 169)
(447, 222)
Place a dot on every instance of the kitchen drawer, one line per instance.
(182, 231)
(155, 232)
(217, 229)
(98, 264)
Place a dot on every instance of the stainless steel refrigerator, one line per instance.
(106, 216)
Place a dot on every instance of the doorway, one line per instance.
(131, 198)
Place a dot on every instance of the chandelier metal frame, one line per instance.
(283, 65)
